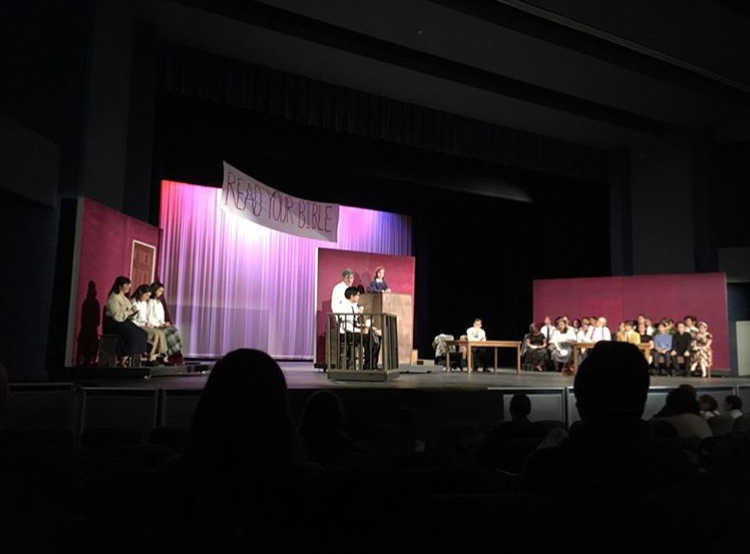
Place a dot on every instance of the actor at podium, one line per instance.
(378, 284)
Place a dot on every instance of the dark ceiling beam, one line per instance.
(520, 21)
(293, 24)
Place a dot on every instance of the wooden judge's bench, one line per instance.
(400, 305)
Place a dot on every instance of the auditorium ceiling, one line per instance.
(602, 74)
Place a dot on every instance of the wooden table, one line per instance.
(494, 344)
(578, 347)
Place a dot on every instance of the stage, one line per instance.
(302, 375)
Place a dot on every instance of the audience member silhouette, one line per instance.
(5, 397)
(611, 463)
(322, 429)
(685, 416)
(493, 449)
(242, 422)
(245, 465)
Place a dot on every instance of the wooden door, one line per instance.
(143, 264)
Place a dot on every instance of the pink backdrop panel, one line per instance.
(104, 253)
(616, 298)
(399, 274)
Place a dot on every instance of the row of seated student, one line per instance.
(141, 324)
(682, 347)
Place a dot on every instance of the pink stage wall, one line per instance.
(616, 298)
(106, 241)
(399, 274)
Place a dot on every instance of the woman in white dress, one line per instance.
(156, 337)
(157, 318)
(562, 345)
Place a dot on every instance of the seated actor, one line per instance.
(475, 333)
(629, 333)
(601, 331)
(157, 317)
(662, 348)
(682, 345)
(359, 335)
(156, 337)
(119, 313)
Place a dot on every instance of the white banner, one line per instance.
(248, 198)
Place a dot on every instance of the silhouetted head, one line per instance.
(708, 403)
(323, 415)
(91, 291)
(520, 406)
(612, 383)
(242, 420)
(682, 400)
(732, 402)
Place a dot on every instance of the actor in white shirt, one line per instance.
(358, 334)
(339, 303)
(475, 333)
(601, 331)
(156, 337)
(562, 345)
(585, 332)
(157, 318)
(547, 329)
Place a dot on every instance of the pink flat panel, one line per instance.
(703, 295)
(106, 249)
(399, 274)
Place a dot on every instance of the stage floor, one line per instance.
(302, 375)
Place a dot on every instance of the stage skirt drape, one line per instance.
(234, 284)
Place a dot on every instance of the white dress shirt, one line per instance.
(474, 334)
(601, 333)
(584, 336)
(141, 317)
(350, 324)
(562, 341)
(156, 315)
(548, 331)
(339, 303)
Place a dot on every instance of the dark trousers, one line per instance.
(667, 360)
(366, 345)
(676, 364)
(480, 358)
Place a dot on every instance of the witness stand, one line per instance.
(362, 347)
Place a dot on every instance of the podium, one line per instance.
(400, 305)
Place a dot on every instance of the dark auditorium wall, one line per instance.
(27, 256)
